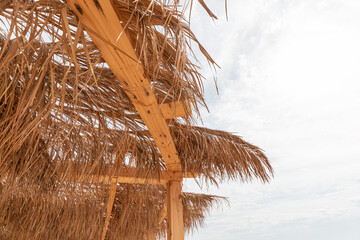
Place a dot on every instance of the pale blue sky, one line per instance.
(289, 83)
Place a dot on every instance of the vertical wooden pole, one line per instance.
(109, 206)
(175, 218)
(152, 236)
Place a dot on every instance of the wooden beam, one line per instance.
(105, 29)
(127, 175)
(118, 179)
(175, 218)
(109, 207)
(175, 109)
(131, 175)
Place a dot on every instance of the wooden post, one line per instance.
(175, 218)
(152, 236)
(109, 207)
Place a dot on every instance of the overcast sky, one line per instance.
(289, 83)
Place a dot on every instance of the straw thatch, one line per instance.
(63, 111)
(70, 215)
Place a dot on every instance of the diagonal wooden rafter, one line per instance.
(106, 31)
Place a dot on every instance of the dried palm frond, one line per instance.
(220, 155)
(63, 112)
(138, 210)
(61, 103)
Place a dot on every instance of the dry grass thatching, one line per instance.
(70, 215)
(63, 111)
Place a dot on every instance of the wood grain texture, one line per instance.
(175, 109)
(106, 31)
(109, 207)
(175, 215)
(131, 175)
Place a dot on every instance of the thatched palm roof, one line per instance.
(63, 111)
(80, 215)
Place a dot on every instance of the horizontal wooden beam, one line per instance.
(127, 175)
(131, 175)
(175, 109)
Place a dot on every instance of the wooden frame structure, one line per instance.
(105, 29)
(92, 144)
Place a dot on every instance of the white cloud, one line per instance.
(290, 84)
